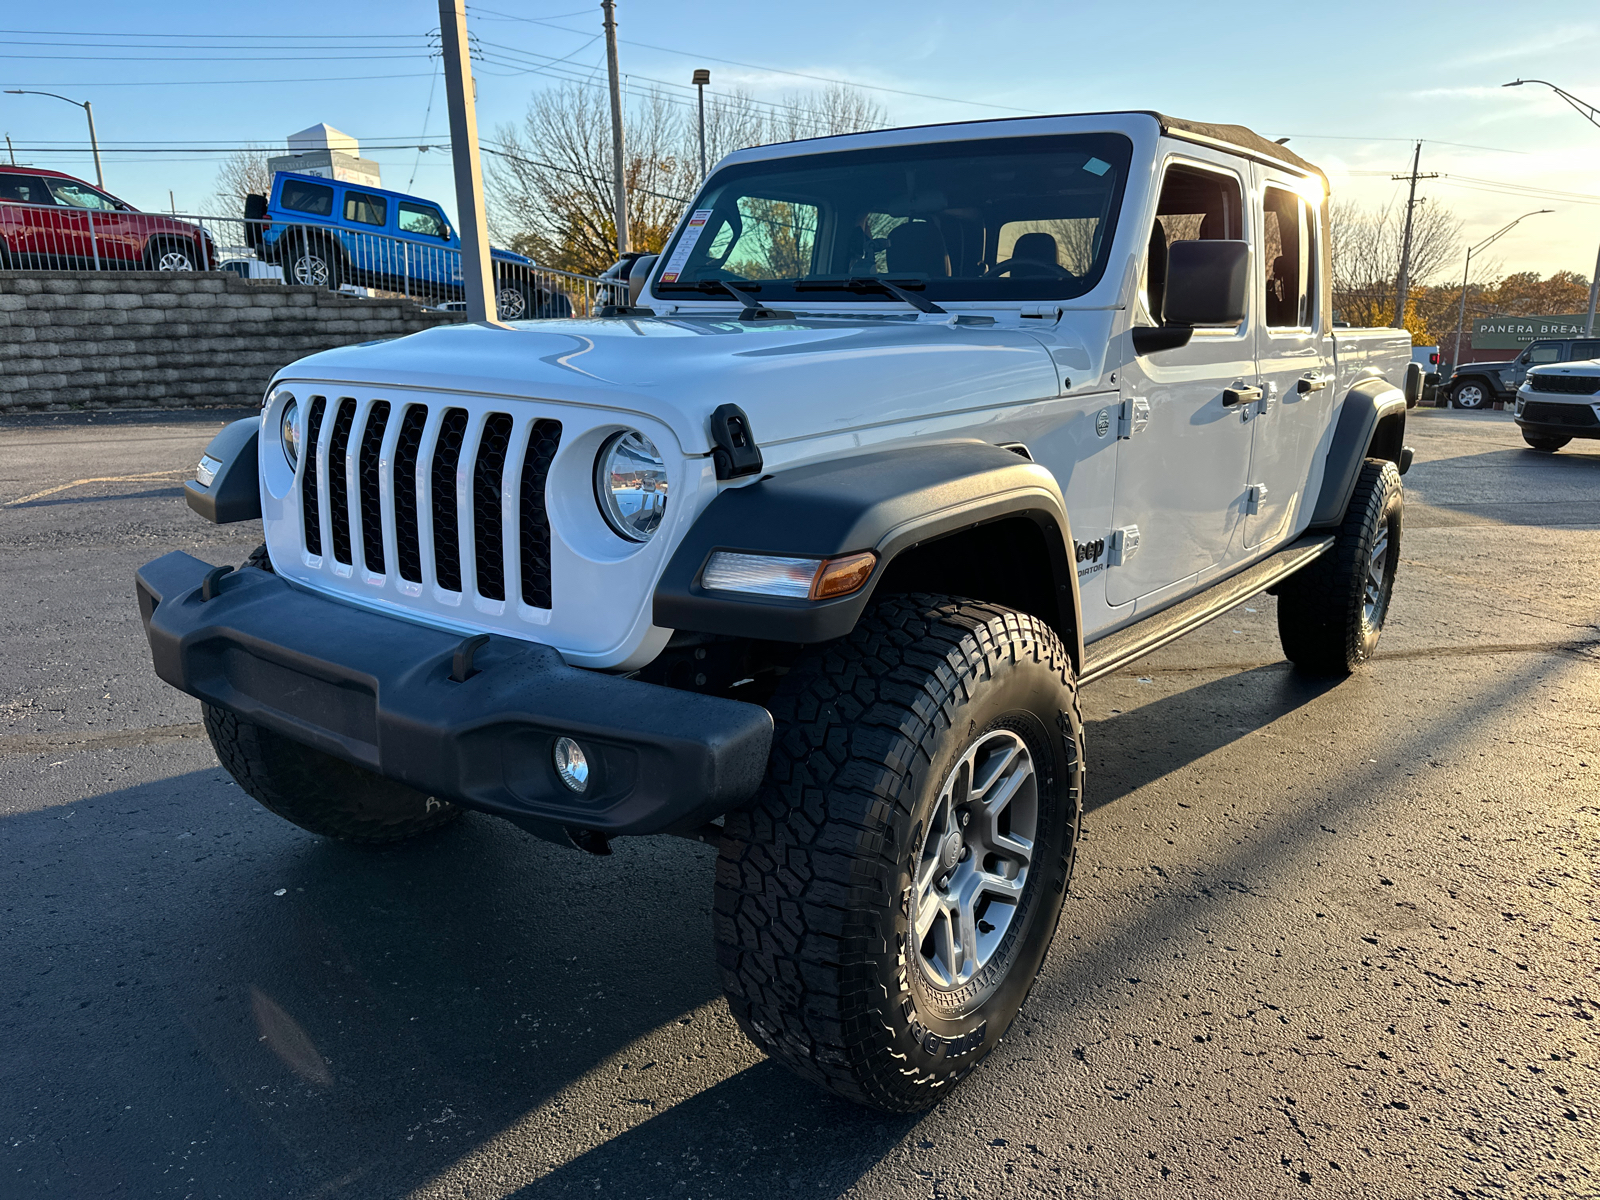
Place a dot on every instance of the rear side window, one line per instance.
(421, 219)
(365, 209)
(310, 198)
(1287, 230)
(1195, 206)
(1585, 350)
(24, 189)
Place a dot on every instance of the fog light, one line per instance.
(572, 764)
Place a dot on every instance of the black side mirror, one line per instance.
(1207, 283)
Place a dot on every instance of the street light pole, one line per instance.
(701, 78)
(1592, 115)
(88, 109)
(1461, 323)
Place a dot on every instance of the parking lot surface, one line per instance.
(1323, 940)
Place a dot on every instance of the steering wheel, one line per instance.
(1001, 268)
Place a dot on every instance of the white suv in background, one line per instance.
(1558, 403)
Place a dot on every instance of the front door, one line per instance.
(1294, 356)
(1184, 452)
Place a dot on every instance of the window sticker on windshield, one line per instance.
(1095, 167)
(686, 244)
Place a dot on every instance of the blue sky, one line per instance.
(1352, 85)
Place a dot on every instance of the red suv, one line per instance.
(54, 222)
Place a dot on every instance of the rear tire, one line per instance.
(845, 892)
(321, 794)
(310, 263)
(1545, 445)
(1332, 610)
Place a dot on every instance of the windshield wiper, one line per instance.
(868, 283)
(754, 310)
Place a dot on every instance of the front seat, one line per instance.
(1033, 248)
(917, 248)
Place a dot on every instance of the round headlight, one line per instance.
(630, 483)
(289, 431)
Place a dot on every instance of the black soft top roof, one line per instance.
(1238, 136)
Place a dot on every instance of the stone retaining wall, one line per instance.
(92, 339)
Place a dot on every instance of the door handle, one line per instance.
(1240, 395)
(1310, 383)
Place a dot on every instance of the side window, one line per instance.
(1544, 352)
(1585, 350)
(365, 209)
(421, 219)
(310, 198)
(1288, 251)
(24, 189)
(1195, 205)
(80, 195)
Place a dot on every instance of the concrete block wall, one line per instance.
(150, 339)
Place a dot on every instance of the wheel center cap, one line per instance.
(950, 851)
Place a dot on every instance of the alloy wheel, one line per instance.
(1374, 602)
(975, 858)
(512, 304)
(174, 260)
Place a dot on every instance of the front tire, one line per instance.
(1545, 445)
(884, 906)
(1472, 394)
(321, 794)
(1331, 611)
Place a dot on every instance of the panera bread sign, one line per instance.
(1513, 333)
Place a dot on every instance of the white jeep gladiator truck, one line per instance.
(806, 549)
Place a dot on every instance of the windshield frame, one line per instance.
(1116, 146)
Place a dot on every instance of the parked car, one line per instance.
(1478, 385)
(325, 233)
(51, 221)
(805, 554)
(251, 268)
(1557, 403)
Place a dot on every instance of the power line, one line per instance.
(70, 33)
(732, 62)
(92, 83)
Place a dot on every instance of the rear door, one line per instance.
(1182, 453)
(1294, 355)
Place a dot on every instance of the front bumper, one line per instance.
(1539, 415)
(377, 691)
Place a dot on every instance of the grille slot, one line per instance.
(488, 526)
(446, 533)
(308, 480)
(1571, 385)
(407, 546)
(544, 438)
(367, 473)
(338, 481)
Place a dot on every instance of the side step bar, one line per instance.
(1117, 650)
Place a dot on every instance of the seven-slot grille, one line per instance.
(441, 495)
(1571, 385)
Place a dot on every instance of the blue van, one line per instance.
(325, 233)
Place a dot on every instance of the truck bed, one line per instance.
(1359, 352)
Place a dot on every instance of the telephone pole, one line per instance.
(619, 186)
(476, 285)
(1402, 285)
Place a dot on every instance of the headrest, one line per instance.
(1036, 247)
(918, 247)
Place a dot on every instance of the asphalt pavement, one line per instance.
(1323, 940)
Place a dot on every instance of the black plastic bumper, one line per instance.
(376, 691)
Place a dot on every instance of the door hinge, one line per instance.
(1124, 545)
(1133, 417)
(1255, 498)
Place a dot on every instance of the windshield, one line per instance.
(1001, 219)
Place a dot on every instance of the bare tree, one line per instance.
(1366, 249)
(241, 173)
(549, 178)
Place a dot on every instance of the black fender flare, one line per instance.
(234, 493)
(886, 501)
(1372, 424)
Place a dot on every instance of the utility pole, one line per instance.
(1402, 285)
(13, 151)
(1594, 294)
(461, 97)
(619, 186)
(701, 78)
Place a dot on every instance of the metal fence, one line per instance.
(422, 268)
